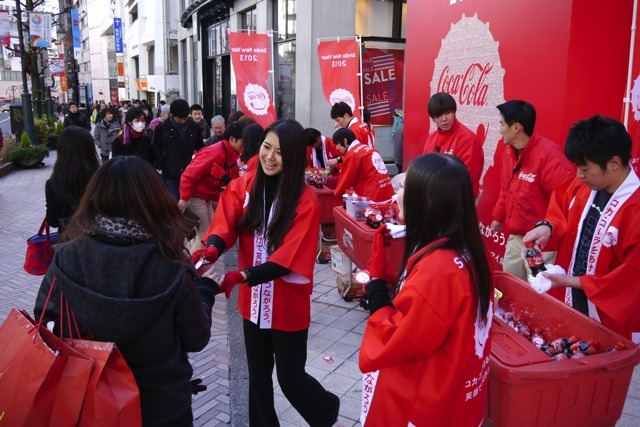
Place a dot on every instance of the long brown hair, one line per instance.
(293, 151)
(439, 203)
(129, 187)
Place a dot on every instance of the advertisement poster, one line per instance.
(471, 51)
(39, 29)
(251, 59)
(382, 78)
(339, 68)
(5, 28)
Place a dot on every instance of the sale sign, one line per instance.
(383, 74)
(251, 59)
(339, 68)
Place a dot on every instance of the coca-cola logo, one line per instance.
(529, 177)
(342, 95)
(256, 98)
(470, 87)
(468, 67)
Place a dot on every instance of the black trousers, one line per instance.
(288, 350)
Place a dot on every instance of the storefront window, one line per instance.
(285, 57)
(286, 84)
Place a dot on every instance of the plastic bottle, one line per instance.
(533, 257)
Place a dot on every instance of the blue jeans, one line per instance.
(173, 187)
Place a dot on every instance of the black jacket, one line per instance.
(171, 154)
(126, 292)
(140, 147)
(61, 205)
(78, 119)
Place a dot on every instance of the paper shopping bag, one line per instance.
(42, 380)
(112, 397)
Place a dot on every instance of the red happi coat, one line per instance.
(354, 126)
(365, 171)
(431, 353)
(286, 304)
(461, 142)
(329, 150)
(613, 284)
(197, 179)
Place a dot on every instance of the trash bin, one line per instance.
(527, 388)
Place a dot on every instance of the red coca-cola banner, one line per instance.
(383, 75)
(469, 49)
(251, 59)
(339, 67)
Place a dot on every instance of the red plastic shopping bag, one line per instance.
(112, 398)
(42, 380)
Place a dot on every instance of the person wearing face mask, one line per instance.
(274, 216)
(203, 180)
(132, 140)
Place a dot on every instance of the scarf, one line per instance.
(117, 228)
(128, 134)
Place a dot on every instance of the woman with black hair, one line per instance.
(203, 180)
(275, 218)
(127, 279)
(76, 163)
(252, 137)
(425, 354)
(133, 139)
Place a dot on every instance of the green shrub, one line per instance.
(41, 128)
(25, 151)
(52, 141)
(59, 127)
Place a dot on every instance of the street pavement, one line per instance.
(334, 336)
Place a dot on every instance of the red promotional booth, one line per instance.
(569, 59)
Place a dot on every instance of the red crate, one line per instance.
(327, 202)
(355, 239)
(527, 388)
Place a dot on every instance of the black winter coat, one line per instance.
(78, 119)
(171, 154)
(154, 310)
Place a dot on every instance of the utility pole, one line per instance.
(27, 109)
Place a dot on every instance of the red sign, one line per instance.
(470, 50)
(251, 58)
(382, 79)
(339, 67)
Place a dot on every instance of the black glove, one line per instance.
(197, 386)
(377, 295)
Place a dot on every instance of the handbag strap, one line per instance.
(44, 227)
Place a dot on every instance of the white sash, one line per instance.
(314, 155)
(622, 194)
(369, 381)
(261, 307)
